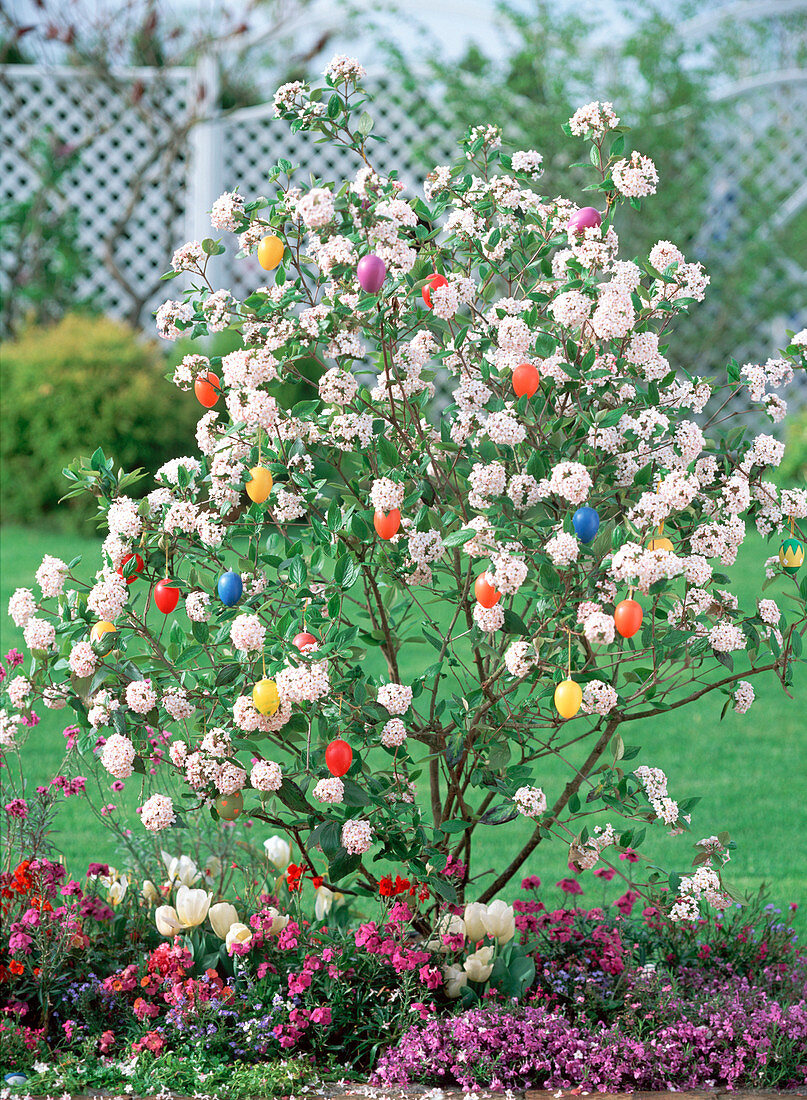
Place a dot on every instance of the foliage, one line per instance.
(40, 232)
(84, 378)
(794, 464)
(611, 425)
(663, 81)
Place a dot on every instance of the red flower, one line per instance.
(293, 877)
(317, 881)
(385, 886)
(16, 967)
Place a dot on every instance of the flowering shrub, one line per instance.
(272, 601)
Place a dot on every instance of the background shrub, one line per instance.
(83, 382)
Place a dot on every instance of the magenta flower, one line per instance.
(570, 886)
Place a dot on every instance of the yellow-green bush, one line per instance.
(85, 382)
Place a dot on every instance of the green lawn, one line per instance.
(749, 770)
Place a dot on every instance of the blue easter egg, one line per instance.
(15, 1078)
(230, 588)
(586, 523)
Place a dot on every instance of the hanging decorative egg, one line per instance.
(433, 282)
(628, 617)
(139, 567)
(206, 387)
(568, 698)
(586, 523)
(585, 218)
(371, 273)
(230, 588)
(100, 629)
(387, 525)
(338, 757)
(791, 554)
(660, 543)
(270, 252)
(166, 596)
(486, 594)
(525, 380)
(260, 484)
(303, 640)
(266, 697)
(229, 806)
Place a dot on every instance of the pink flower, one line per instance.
(570, 886)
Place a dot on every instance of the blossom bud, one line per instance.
(278, 852)
(192, 906)
(500, 921)
(479, 966)
(238, 933)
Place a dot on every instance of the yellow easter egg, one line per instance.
(270, 252)
(660, 544)
(260, 484)
(100, 629)
(266, 697)
(568, 698)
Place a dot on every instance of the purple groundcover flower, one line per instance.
(722, 1032)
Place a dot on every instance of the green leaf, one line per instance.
(334, 106)
(499, 815)
(291, 795)
(455, 826)
(514, 624)
(227, 675)
(365, 124)
(459, 538)
(346, 572)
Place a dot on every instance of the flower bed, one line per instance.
(106, 984)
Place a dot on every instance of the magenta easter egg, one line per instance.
(586, 218)
(371, 273)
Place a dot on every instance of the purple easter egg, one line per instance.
(372, 271)
(587, 218)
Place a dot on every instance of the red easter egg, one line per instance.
(434, 281)
(166, 596)
(525, 380)
(303, 641)
(387, 525)
(139, 567)
(628, 616)
(338, 757)
(206, 388)
(485, 593)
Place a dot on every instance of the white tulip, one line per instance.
(117, 892)
(449, 925)
(456, 979)
(181, 869)
(500, 921)
(475, 921)
(278, 922)
(222, 917)
(278, 852)
(167, 921)
(150, 892)
(238, 933)
(325, 901)
(478, 966)
(192, 906)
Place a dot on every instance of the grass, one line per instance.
(748, 770)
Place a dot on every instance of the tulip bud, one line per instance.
(212, 868)
(474, 921)
(238, 933)
(478, 966)
(150, 893)
(456, 979)
(500, 921)
(192, 906)
(278, 852)
(167, 921)
(222, 917)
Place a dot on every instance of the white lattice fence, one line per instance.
(117, 127)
